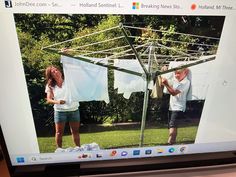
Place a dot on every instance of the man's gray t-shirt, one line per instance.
(178, 102)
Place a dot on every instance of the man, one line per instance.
(178, 98)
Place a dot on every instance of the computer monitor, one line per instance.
(105, 87)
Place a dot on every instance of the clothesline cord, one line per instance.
(178, 51)
(163, 31)
(107, 50)
(193, 51)
(117, 54)
(146, 50)
(157, 55)
(100, 42)
(80, 37)
(132, 27)
(167, 40)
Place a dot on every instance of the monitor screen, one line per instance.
(106, 81)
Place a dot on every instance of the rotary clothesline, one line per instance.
(149, 49)
(79, 49)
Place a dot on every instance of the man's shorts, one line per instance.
(174, 118)
(70, 116)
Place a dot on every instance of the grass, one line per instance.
(122, 138)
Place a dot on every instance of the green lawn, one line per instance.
(122, 138)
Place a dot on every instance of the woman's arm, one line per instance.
(50, 99)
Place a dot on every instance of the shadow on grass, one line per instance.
(96, 128)
(151, 145)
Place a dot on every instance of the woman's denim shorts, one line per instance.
(70, 116)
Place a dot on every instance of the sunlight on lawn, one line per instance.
(122, 138)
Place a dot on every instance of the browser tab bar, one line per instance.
(120, 6)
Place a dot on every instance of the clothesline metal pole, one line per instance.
(147, 77)
(133, 49)
(146, 96)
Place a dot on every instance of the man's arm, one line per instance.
(170, 89)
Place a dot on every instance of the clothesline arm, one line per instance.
(94, 62)
(158, 72)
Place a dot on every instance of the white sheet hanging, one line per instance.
(198, 76)
(128, 83)
(85, 81)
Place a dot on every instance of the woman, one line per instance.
(64, 111)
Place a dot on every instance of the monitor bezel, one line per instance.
(115, 166)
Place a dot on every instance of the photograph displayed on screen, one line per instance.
(116, 81)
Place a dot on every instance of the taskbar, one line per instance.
(118, 154)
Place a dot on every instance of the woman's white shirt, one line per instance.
(60, 94)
